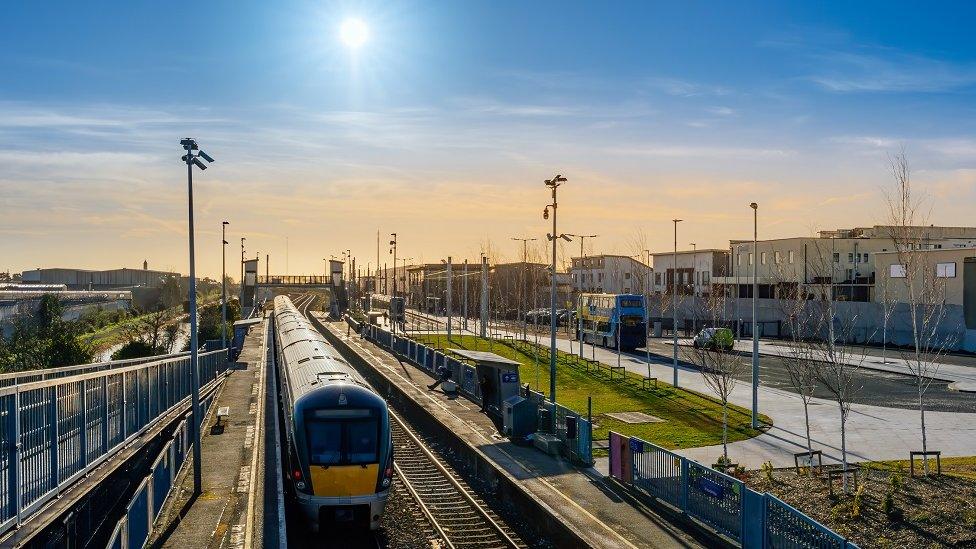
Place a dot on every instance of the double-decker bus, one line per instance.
(604, 317)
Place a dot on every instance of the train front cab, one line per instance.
(344, 467)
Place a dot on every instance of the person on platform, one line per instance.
(486, 392)
(443, 374)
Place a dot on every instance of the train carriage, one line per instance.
(340, 450)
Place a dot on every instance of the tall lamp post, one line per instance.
(193, 159)
(393, 250)
(240, 296)
(755, 321)
(554, 185)
(674, 301)
(223, 284)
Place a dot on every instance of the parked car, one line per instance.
(715, 339)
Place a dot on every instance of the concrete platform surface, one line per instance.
(230, 511)
(581, 498)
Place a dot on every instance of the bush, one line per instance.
(136, 349)
(767, 470)
(858, 502)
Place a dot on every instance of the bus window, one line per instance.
(631, 302)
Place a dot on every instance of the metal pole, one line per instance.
(194, 374)
(465, 286)
(240, 294)
(484, 296)
(755, 320)
(223, 285)
(552, 309)
(674, 302)
(579, 307)
(449, 304)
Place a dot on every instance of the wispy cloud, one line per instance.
(685, 88)
(889, 71)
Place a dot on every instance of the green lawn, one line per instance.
(690, 419)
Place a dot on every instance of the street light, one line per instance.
(755, 322)
(191, 159)
(240, 293)
(223, 283)
(674, 301)
(554, 185)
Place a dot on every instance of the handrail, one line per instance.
(54, 431)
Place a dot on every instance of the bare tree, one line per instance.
(720, 367)
(800, 361)
(920, 284)
(836, 347)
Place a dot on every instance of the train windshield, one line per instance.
(342, 439)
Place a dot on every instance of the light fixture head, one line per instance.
(205, 156)
(225, 222)
(754, 206)
(197, 163)
(545, 213)
(189, 144)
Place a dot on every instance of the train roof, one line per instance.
(311, 363)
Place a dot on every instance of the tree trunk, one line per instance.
(725, 429)
(921, 408)
(806, 419)
(843, 445)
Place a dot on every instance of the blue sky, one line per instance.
(444, 124)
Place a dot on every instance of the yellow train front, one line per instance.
(340, 450)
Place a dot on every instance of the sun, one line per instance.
(354, 33)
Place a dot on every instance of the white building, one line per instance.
(611, 274)
(695, 271)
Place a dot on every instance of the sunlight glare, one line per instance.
(354, 33)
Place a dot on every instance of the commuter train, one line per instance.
(340, 449)
(613, 319)
(393, 306)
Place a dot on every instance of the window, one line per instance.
(945, 270)
(850, 258)
(865, 258)
(599, 277)
(626, 276)
(791, 257)
(704, 277)
(776, 258)
(738, 259)
(657, 279)
(836, 257)
(750, 258)
(324, 442)
(762, 258)
(896, 271)
(850, 274)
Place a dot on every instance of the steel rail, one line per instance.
(485, 520)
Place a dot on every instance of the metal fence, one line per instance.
(54, 431)
(136, 525)
(720, 502)
(578, 448)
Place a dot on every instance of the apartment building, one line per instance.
(843, 257)
(612, 274)
(692, 270)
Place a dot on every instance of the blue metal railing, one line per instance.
(723, 503)
(53, 431)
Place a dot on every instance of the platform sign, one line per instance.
(711, 487)
(636, 445)
(509, 377)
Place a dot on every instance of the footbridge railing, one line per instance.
(54, 430)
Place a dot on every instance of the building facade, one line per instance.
(611, 274)
(692, 270)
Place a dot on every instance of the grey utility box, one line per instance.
(519, 417)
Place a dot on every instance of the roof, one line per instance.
(484, 357)
(249, 321)
(689, 252)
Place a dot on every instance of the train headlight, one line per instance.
(300, 485)
(385, 483)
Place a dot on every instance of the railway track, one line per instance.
(456, 512)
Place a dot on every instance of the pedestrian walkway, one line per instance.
(230, 510)
(578, 497)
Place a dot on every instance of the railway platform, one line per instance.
(581, 499)
(240, 503)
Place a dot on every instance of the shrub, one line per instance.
(767, 470)
(888, 503)
(895, 481)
